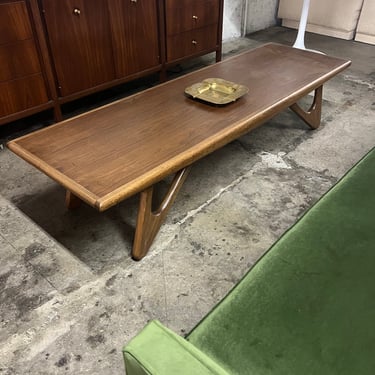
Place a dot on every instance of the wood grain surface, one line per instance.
(115, 151)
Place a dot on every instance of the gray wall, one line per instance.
(245, 16)
(260, 14)
(234, 18)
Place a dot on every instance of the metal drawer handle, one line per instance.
(195, 17)
(76, 11)
(133, 1)
(194, 42)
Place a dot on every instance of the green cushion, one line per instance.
(158, 350)
(308, 306)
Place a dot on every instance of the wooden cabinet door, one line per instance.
(79, 34)
(185, 15)
(18, 60)
(22, 94)
(178, 16)
(135, 35)
(191, 43)
(14, 22)
(205, 13)
(22, 85)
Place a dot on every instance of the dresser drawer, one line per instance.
(185, 15)
(192, 42)
(23, 93)
(14, 22)
(18, 59)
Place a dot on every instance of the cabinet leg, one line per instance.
(163, 75)
(57, 113)
(218, 55)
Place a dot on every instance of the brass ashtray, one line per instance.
(216, 91)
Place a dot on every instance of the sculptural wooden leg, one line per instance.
(149, 221)
(312, 117)
(71, 200)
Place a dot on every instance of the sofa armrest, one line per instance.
(158, 350)
(366, 25)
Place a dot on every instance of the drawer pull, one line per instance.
(133, 1)
(194, 42)
(76, 11)
(195, 17)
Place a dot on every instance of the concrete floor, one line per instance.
(71, 297)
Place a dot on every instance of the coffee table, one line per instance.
(111, 153)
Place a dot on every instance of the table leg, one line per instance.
(312, 116)
(149, 221)
(71, 200)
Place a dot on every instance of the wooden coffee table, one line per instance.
(111, 153)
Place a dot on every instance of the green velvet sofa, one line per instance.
(306, 307)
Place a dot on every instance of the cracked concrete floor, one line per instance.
(71, 297)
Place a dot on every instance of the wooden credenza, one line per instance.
(55, 51)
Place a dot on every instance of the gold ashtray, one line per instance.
(216, 91)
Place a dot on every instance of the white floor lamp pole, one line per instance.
(300, 41)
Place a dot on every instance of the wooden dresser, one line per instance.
(193, 27)
(55, 51)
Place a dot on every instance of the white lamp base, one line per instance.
(300, 40)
